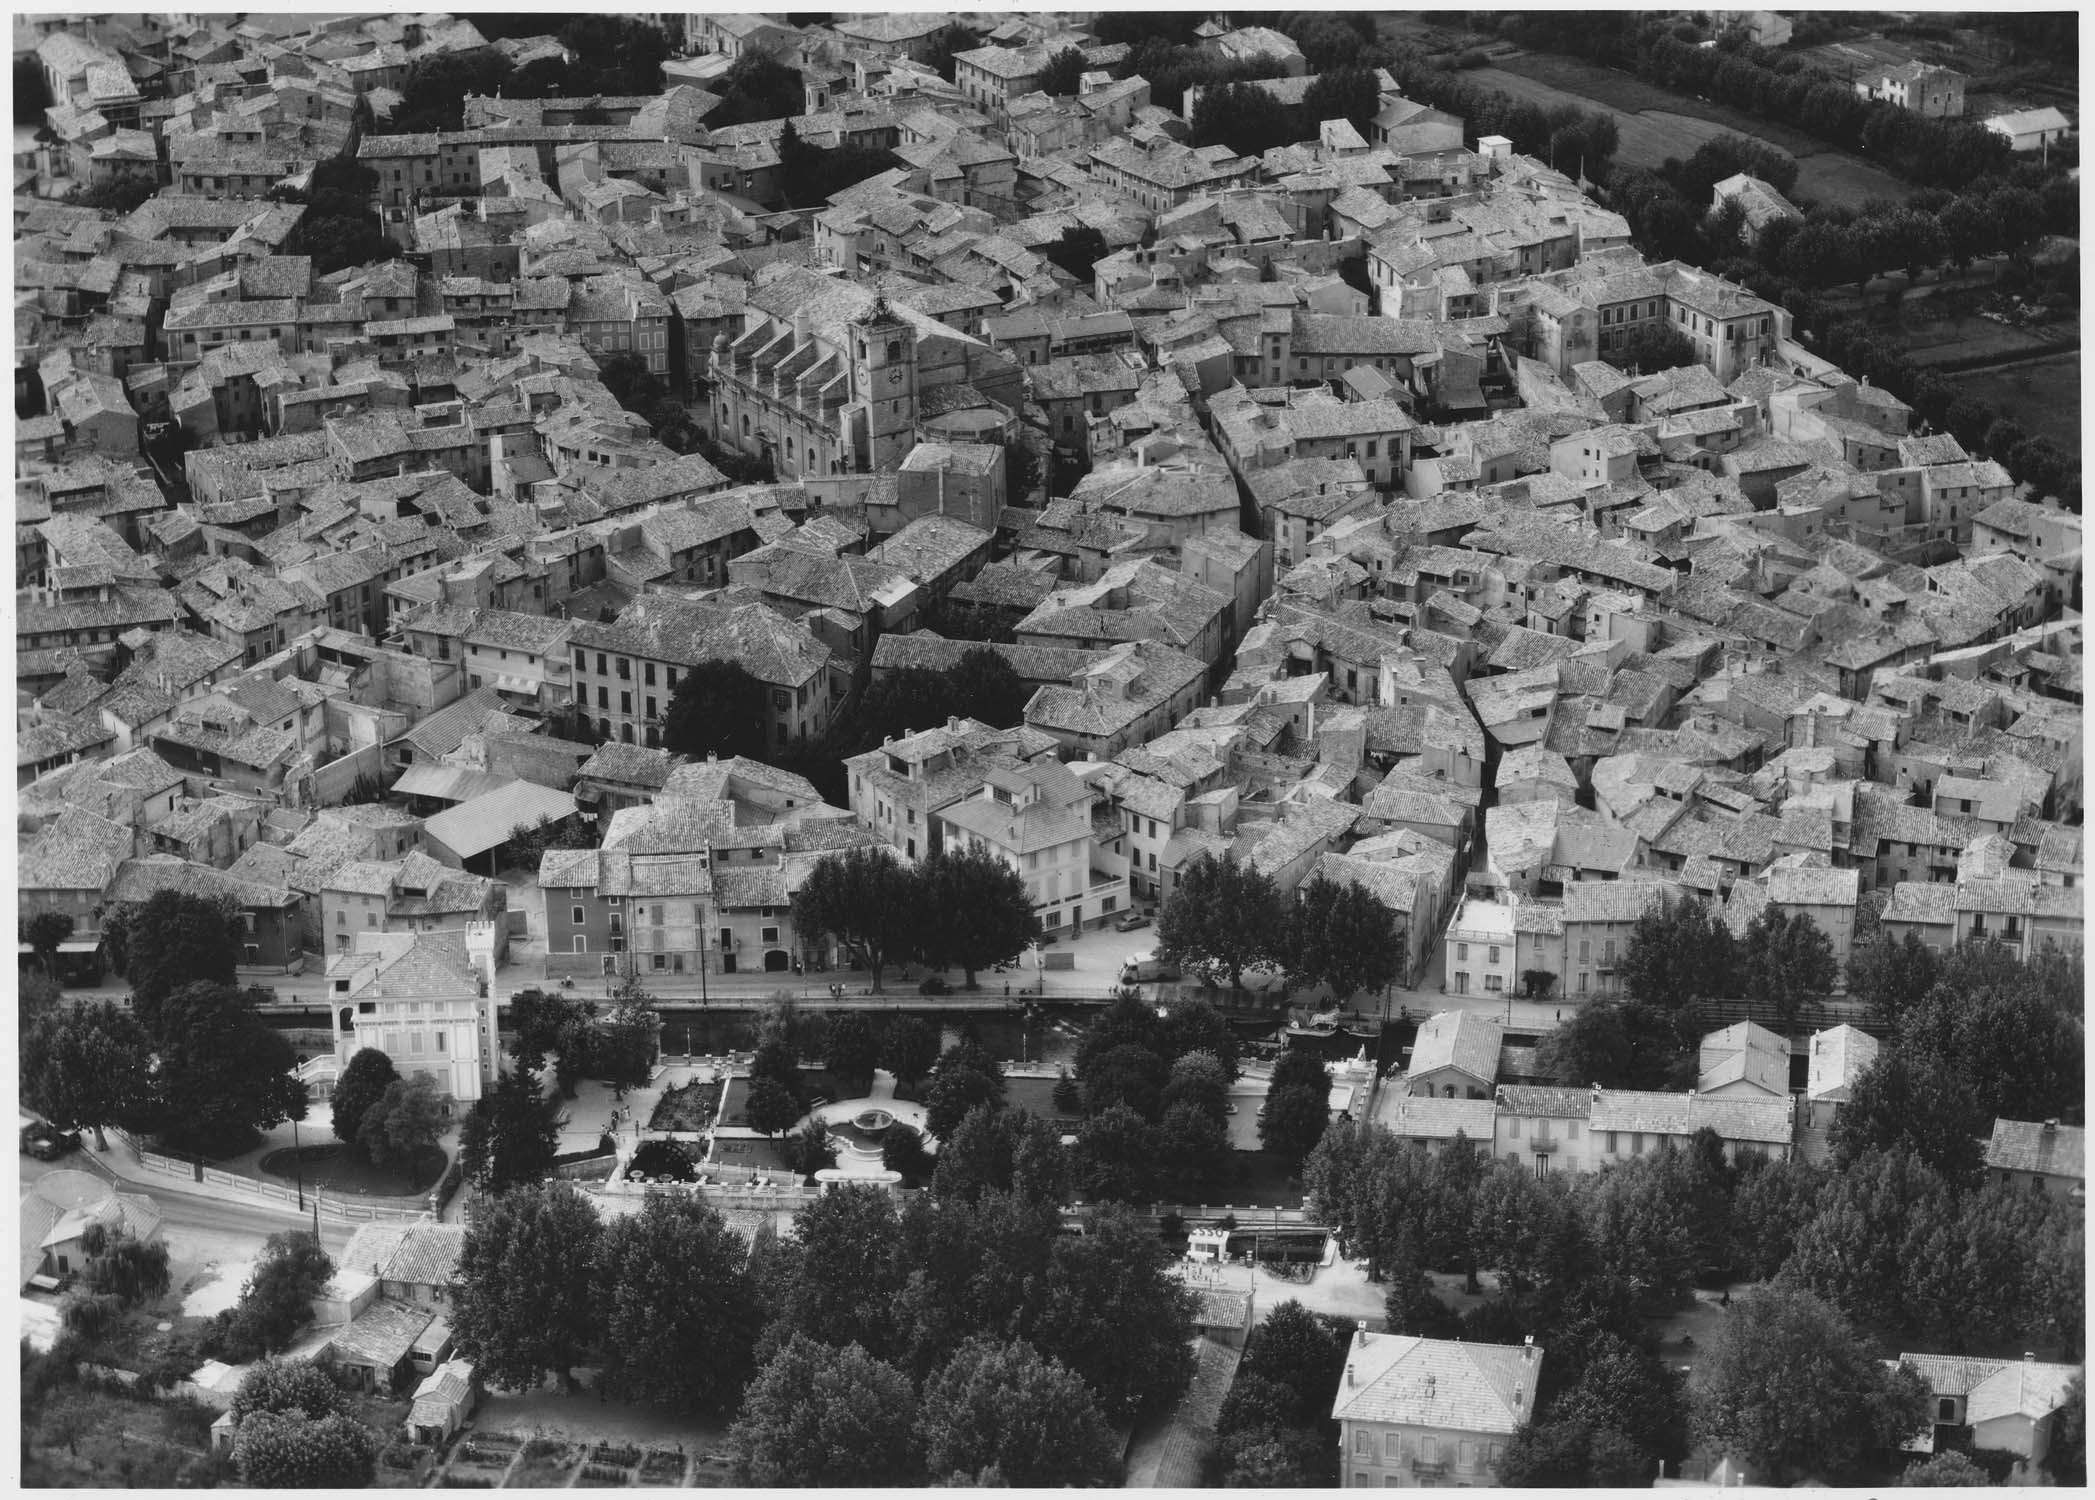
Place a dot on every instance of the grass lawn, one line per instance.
(1656, 123)
(1266, 1182)
(1036, 1096)
(341, 1170)
(1945, 326)
(2043, 395)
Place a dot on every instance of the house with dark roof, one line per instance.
(625, 672)
(413, 894)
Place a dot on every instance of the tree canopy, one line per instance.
(818, 1415)
(985, 911)
(223, 1072)
(1791, 1391)
(363, 1083)
(509, 1139)
(1298, 1106)
(524, 1304)
(867, 900)
(275, 1302)
(1343, 936)
(1001, 1407)
(406, 1120)
(1788, 962)
(87, 1066)
(169, 940)
(718, 709)
(690, 1351)
(1222, 915)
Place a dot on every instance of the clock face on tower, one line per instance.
(894, 377)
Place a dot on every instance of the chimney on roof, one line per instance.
(1527, 1348)
(2051, 1127)
(1349, 1375)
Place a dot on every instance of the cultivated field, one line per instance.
(2043, 395)
(1656, 124)
(1946, 329)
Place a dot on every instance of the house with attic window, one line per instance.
(1419, 1413)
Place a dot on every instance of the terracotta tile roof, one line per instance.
(1439, 1384)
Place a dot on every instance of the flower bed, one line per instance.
(688, 1108)
(662, 1468)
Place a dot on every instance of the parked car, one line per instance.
(934, 984)
(1130, 922)
(1146, 968)
(49, 1145)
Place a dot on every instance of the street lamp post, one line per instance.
(298, 1165)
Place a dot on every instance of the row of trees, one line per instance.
(1224, 917)
(1248, 119)
(1882, 1250)
(1900, 1241)
(189, 1059)
(810, 173)
(1796, 264)
(607, 55)
(719, 709)
(340, 227)
(1782, 87)
(964, 1336)
(956, 908)
(1976, 1035)
(1679, 957)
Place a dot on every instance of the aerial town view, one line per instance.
(1010, 749)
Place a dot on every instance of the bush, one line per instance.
(605, 1146)
(662, 1158)
(447, 1185)
(91, 1315)
(808, 1149)
(1472, 57)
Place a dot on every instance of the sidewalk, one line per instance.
(120, 1165)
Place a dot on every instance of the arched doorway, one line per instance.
(776, 961)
